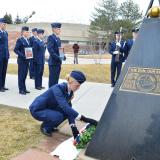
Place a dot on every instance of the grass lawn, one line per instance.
(95, 56)
(18, 131)
(94, 72)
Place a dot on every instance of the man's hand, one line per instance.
(118, 44)
(89, 120)
(75, 131)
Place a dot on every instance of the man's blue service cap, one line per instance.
(2, 20)
(135, 30)
(56, 25)
(34, 30)
(25, 28)
(40, 31)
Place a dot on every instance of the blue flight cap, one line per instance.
(40, 31)
(25, 28)
(56, 25)
(78, 76)
(34, 30)
(2, 20)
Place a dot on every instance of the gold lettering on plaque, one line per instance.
(143, 80)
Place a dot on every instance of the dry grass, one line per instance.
(18, 131)
(94, 72)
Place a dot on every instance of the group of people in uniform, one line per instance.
(54, 105)
(119, 49)
(34, 63)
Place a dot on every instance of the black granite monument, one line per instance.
(129, 128)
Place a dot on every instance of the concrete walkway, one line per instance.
(89, 100)
(69, 60)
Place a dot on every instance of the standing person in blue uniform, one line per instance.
(23, 63)
(54, 106)
(54, 61)
(4, 54)
(130, 42)
(116, 49)
(31, 63)
(39, 58)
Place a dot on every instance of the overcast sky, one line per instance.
(70, 11)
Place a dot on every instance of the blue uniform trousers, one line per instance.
(54, 73)
(39, 68)
(50, 118)
(3, 70)
(22, 74)
(115, 71)
(31, 68)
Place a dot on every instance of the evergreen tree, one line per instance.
(129, 10)
(8, 18)
(18, 20)
(106, 14)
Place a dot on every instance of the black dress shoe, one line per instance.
(27, 91)
(2, 90)
(45, 132)
(42, 87)
(22, 92)
(39, 88)
(112, 85)
(5, 88)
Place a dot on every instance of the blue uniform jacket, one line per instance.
(19, 49)
(58, 99)
(39, 51)
(4, 51)
(129, 44)
(128, 47)
(53, 44)
(112, 48)
(32, 39)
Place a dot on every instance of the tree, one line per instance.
(129, 10)
(8, 18)
(110, 17)
(106, 14)
(18, 20)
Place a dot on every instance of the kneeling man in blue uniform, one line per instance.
(54, 105)
(39, 58)
(4, 54)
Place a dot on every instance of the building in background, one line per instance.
(71, 33)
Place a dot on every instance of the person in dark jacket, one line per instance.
(31, 62)
(130, 42)
(4, 54)
(39, 58)
(22, 45)
(54, 106)
(75, 51)
(55, 61)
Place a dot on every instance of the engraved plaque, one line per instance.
(143, 80)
